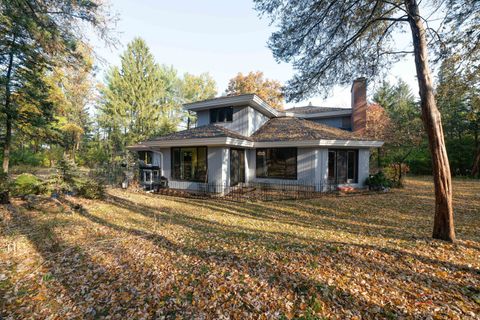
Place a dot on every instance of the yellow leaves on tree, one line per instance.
(254, 82)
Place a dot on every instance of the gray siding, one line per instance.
(239, 122)
(255, 120)
(246, 120)
(363, 166)
(336, 122)
(203, 118)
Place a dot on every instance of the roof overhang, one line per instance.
(320, 143)
(221, 141)
(251, 100)
(326, 114)
(225, 141)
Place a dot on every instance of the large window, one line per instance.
(221, 115)
(278, 163)
(189, 164)
(343, 166)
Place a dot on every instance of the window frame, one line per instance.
(335, 177)
(267, 176)
(172, 165)
(214, 115)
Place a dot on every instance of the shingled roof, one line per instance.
(276, 129)
(294, 129)
(313, 109)
(207, 131)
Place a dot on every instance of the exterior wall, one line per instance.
(312, 167)
(363, 166)
(218, 168)
(246, 120)
(203, 118)
(255, 120)
(239, 121)
(337, 122)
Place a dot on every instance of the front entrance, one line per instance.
(237, 166)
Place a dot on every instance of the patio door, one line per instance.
(237, 166)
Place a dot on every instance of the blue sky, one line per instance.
(219, 37)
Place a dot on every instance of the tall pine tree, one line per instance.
(139, 99)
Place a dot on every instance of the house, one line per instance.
(241, 140)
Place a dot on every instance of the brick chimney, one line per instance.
(359, 105)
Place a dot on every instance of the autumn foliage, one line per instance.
(254, 82)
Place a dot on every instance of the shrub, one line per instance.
(66, 179)
(395, 172)
(26, 184)
(378, 181)
(91, 189)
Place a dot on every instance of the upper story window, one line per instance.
(221, 115)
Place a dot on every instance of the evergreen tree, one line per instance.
(140, 99)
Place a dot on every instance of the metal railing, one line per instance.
(252, 191)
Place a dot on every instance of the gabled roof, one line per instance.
(294, 129)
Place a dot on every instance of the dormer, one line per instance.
(243, 114)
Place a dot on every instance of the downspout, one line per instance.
(161, 161)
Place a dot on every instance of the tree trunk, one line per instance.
(476, 164)
(443, 222)
(8, 118)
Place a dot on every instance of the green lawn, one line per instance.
(136, 255)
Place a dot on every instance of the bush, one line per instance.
(378, 181)
(26, 184)
(393, 173)
(91, 189)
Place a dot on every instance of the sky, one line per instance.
(219, 37)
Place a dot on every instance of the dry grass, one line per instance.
(142, 256)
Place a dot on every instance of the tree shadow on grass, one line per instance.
(77, 285)
(275, 240)
(275, 274)
(324, 218)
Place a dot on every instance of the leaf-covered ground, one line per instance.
(139, 256)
